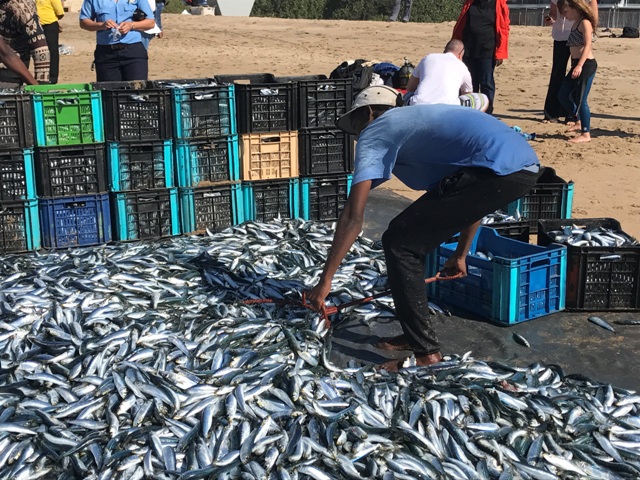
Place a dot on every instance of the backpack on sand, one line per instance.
(359, 71)
(630, 32)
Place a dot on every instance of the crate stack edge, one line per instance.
(19, 218)
(326, 153)
(139, 135)
(70, 165)
(206, 154)
(268, 140)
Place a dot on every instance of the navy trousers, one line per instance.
(481, 70)
(121, 62)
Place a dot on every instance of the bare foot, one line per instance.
(398, 343)
(584, 138)
(573, 127)
(392, 365)
(428, 359)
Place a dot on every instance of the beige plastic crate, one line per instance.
(269, 155)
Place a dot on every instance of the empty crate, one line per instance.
(19, 226)
(136, 111)
(550, 199)
(203, 108)
(68, 114)
(210, 208)
(75, 221)
(598, 277)
(202, 163)
(325, 151)
(145, 215)
(269, 199)
(17, 181)
(16, 119)
(263, 104)
(519, 283)
(268, 156)
(141, 165)
(323, 198)
(71, 170)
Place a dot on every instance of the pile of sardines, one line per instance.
(143, 360)
(591, 237)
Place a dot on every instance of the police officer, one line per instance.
(120, 54)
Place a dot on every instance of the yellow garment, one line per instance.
(49, 11)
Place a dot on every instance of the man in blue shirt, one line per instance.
(120, 54)
(470, 165)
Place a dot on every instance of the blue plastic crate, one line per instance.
(203, 163)
(145, 215)
(323, 198)
(550, 199)
(68, 114)
(213, 208)
(140, 165)
(268, 199)
(521, 283)
(17, 177)
(19, 226)
(203, 108)
(76, 221)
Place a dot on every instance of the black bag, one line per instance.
(630, 32)
(138, 15)
(359, 74)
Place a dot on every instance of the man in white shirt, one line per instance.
(444, 78)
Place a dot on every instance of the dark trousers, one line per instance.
(481, 70)
(123, 63)
(396, 10)
(52, 34)
(462, 199)
(552, 106)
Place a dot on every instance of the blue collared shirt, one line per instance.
(120, 11)
(422, 144)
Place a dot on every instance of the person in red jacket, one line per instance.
(483, 26)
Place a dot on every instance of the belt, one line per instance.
(116, 46)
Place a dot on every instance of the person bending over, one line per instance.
(469, 163)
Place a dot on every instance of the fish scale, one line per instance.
(160, 371)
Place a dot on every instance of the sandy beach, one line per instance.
(606, 171)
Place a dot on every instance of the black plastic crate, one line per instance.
(135, 111)
(551, 198)
(140, 165)
(323, 198)
(17, 180)
(16, 120)
(321, 101)
(145, 215)
(71, 170)
(210, 208)
(598, 278)
(268, 199)
(263, 104)
(203, 108)
(519, 230)
(325, 151)
(19, 226)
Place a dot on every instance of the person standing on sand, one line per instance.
(578, 81)
(560, 30)
(469, 163)
(483, 26)
(396, 10)
(49, 12)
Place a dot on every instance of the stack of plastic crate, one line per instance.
(70, 168)
(267, 124)
(325, 152)
(19, 223)
(206, 147)
(139, 130)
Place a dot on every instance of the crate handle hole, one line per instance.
(271, 140)
(75, 205)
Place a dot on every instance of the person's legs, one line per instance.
(158, 14)
(486, 81)
(472, 65)
(107, 64)
(566, 98)
(396, 11)
(407, 10)
(461, 200)
(134, 62)
(52, 35)
(584, 113)
(553, 109)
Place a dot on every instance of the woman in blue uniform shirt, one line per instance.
(120, 54)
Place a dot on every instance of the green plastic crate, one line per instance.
(69, 114)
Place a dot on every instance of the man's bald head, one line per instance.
(456, 47)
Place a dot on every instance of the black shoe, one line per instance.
(390, 20)
(405, 20)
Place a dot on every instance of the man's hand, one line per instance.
(109, 24)
(499, 62)
(454, 266)
(125, 27)
(317, 294)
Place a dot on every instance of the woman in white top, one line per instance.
(560, 29)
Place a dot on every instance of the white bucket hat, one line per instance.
(375, 95)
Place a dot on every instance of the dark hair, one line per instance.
(378, 110)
